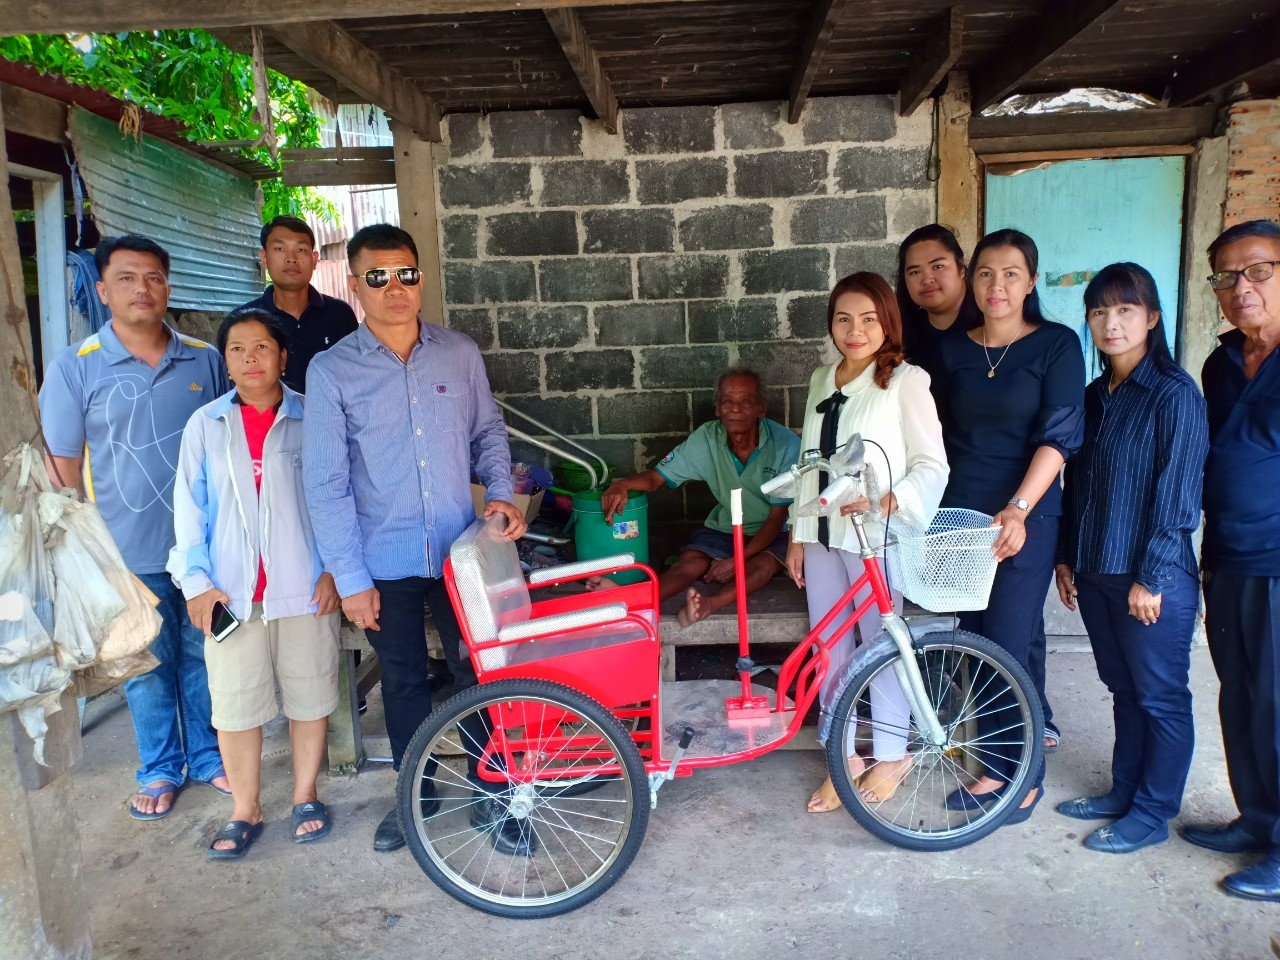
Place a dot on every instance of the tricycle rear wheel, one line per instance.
(539, 820)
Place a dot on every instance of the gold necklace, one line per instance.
(991, 367)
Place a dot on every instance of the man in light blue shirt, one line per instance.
(399, 416)
(114, 407)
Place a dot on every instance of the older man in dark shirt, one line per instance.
(1242, 547)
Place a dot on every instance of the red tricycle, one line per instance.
(528, 795)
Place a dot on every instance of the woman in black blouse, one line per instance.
(933, 292)
(1132, 503)
(1010, 395)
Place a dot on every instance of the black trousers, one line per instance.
(401, 645)
(1242, 617)
(1146, 668)
(1014, 619)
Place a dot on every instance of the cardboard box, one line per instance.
(529, 504)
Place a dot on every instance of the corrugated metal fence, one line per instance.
(205, 216)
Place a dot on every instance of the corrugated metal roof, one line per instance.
(104, 105)
(207, 218)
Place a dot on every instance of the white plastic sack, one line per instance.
(82, 543)
(100, 677)
(86, 606)
(22, 635)
(32, 688)
(24, 567)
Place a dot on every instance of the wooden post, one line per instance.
(416, 192)
(958, 186)
(43, 910)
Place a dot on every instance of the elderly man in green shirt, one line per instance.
(740, 449)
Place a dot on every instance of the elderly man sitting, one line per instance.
(740, 449)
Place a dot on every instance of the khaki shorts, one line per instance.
(300, 653)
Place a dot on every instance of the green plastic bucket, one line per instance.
(629, 533)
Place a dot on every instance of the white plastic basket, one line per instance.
(948, 568)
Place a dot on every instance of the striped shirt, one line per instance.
(1132, 493)
(388, 452)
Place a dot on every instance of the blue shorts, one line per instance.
(719, 546)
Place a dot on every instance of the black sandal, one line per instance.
(242, 833)
(311, 810)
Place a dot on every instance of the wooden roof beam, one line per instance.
(934, 63)
(1231, 61)
(351, 64)
(826, 15)
(577, 46)
(1026, 53)
(115, 16)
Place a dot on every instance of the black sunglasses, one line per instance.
(379, 277)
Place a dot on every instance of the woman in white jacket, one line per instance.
(873, 392)
(244, 540)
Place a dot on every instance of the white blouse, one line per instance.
(903, 419)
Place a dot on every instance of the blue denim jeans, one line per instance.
(170, 705)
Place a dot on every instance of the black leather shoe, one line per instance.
(389, 836)
(509, 835)
(1092, 808)
(1108, 840)
(1235, 837)
(1258, 882)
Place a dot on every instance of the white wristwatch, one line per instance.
(1020, 504)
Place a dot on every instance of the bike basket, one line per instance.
(951, 566)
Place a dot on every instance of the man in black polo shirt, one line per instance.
(1241, 562)
(313, 321)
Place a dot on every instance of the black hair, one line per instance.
(1032, 312)
(252, 315)
(1243, 231)
(741, 370)
(380, 236)
(130, 241)
(292, 224)
(914, 316)
(1119, 283)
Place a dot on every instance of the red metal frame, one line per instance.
(624, 676)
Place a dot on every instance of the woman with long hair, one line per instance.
(933, 292)
(873, 392)
(1010, 393)
(1131, 506)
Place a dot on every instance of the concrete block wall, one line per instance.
(1253, 178)
(609, 279)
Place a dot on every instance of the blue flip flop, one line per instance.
(210, 783)
(241, 833)
(311, 810)
(155, 793)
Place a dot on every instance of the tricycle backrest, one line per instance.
(487, 574)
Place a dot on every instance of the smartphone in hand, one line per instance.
(224, 622)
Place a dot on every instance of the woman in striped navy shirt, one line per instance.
(1132, 503)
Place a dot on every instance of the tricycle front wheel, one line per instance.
(993, 722)
(523, 798)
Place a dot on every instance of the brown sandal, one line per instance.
(882, 785)
(825, 799)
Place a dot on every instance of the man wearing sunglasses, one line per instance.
(1241, 558)
(399, 417)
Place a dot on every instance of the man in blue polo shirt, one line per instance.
(313, 321)
(114, 406)
(739, 449)
(1241, 557)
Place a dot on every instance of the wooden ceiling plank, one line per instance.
(1230, 62)
(826, 15)
(331, 173)
(34, 114)
(1022, 55)
(115, 16)
(351, 64)
(584, 59)
(934, 63)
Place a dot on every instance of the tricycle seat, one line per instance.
(503, 628)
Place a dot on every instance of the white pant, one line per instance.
(827, 575)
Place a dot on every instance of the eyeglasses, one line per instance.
(1254, 273)
(379, 277)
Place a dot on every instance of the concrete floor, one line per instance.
(731, 867)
